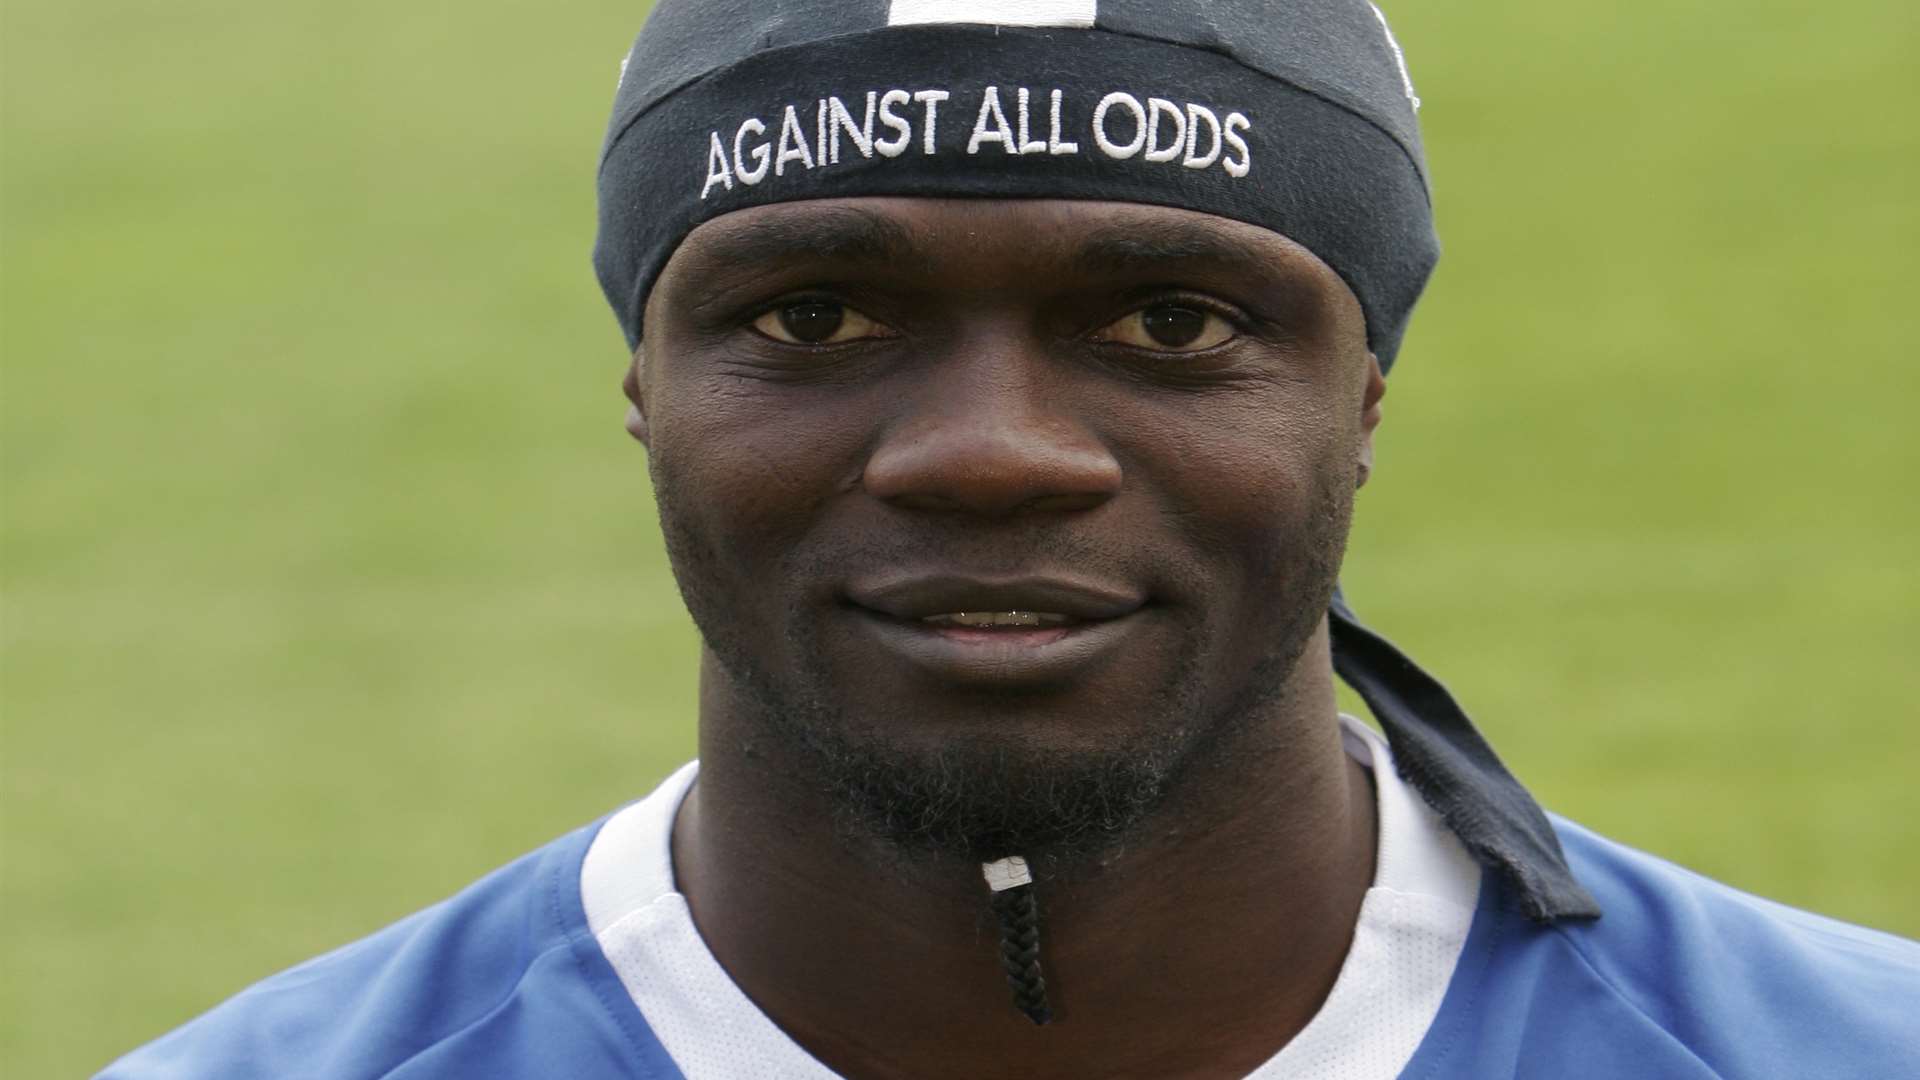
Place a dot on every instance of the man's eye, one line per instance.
(1168, 328)
(817, 322)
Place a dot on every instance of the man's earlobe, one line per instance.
(1369, 417)
(636, 401)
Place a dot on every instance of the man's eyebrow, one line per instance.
(824, 233)
(1144, 245)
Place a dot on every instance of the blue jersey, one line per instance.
(1682, 977)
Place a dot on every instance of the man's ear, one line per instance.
(1370, 416)
(636, 397)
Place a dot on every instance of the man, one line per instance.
(1006, 373)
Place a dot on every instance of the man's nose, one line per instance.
(992, 433)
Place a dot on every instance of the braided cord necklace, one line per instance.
(1019, 916)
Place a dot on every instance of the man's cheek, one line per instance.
(1242, 502)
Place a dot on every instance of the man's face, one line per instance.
(1003, 513)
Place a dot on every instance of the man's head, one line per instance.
(1005, 431)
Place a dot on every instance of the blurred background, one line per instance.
(331, 580)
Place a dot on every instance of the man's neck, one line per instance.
(1198, 950)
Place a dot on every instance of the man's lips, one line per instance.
(999, 631)
(1054, 600)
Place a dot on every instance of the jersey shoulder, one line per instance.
(1742, 980)
(1681, 976)
(502, 979)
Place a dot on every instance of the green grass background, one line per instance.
(331, 580)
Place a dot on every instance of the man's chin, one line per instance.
(982, 799)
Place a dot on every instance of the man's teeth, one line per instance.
(997, 618)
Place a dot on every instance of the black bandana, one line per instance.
(1301, 122)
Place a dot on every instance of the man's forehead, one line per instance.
(923, 234)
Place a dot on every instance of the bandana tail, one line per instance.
(1446, 759)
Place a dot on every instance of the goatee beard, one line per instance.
(982, 797)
